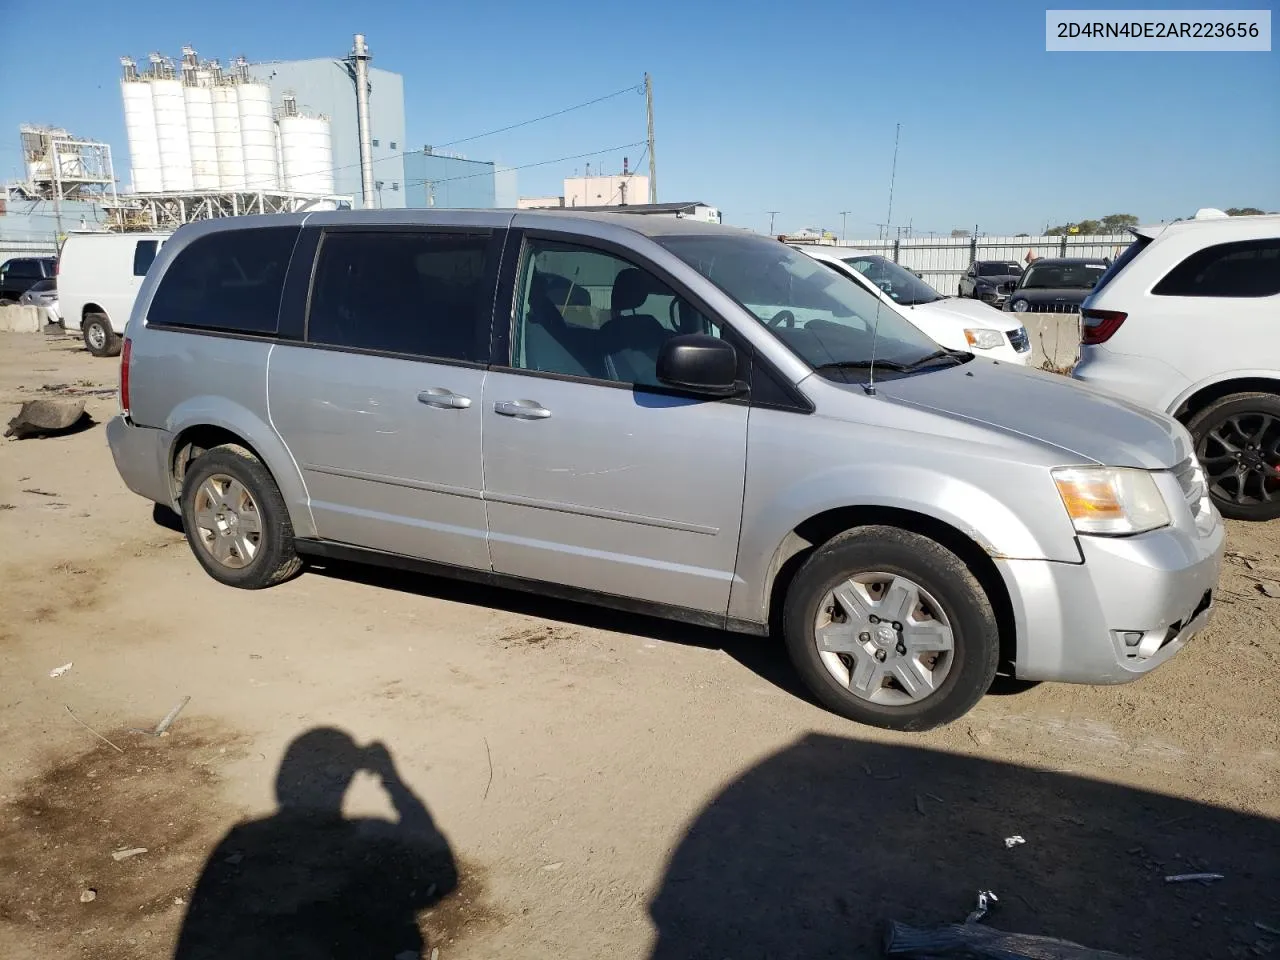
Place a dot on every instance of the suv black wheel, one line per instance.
(236, 520)
(1238, 444)
(99, 338)
(891, 629)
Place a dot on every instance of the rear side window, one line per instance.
(144, 252)
(418, 293)
(230, 281)
(1246, 268)
(24, 270)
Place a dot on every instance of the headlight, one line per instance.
(1021, 306)
(984, 339)
(1111, 501)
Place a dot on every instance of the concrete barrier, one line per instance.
(1055, 338)
(19, 318)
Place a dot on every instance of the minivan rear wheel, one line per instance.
(236, 521)
(99, 338)
(1238, 444)
(891, 629)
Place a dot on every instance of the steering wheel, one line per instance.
(783, 318)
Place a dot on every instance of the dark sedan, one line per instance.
(1055, 286)
(990, 280)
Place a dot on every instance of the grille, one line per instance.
(1007, 287)
(1018, 339)
(1053, 308)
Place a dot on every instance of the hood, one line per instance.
(972, 313)
(996, 280)
(1052, 294)
(1086, 423)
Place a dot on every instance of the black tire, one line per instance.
(1245, 487)
(99, 338)
(959, 291)
(275, 558)
(6, 302)
(891, 550)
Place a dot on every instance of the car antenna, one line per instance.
(870, 387)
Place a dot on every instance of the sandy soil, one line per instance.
(556, 780)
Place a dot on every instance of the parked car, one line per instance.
(1187, 322)
(19, 273)
(43, 293)
(955, 324)
(703, 436)
(98, 278)
(1055, 285)
(990, 281)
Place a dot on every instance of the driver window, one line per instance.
(586, 313)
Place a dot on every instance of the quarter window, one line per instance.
(417, 293)
(144, 253)
(586, 313)
(230, 280)
(1247, 268)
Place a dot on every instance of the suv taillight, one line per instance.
(126, 353)
(1098, 326)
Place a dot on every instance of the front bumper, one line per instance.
(1130, 607)
(992, 297)
(140, 454)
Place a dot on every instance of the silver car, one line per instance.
(668, 417)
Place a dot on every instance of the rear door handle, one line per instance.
(440, 397)
(522, 409)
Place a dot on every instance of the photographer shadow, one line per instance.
(308, 882)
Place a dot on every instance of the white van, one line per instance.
(98, 279)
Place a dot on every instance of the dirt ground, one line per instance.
(531, 778)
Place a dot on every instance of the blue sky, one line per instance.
(760, 106)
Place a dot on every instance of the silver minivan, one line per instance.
(668, 417)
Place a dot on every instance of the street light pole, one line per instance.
(843, 223)
(772, 214)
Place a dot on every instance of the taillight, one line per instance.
(126, 353)
(1099, 326)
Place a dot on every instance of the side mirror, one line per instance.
(700, 363)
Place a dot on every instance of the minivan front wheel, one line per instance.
(236, 521)
(99, 338)
(891, 629)
(1237, 442)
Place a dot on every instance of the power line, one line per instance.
(526, 166)
(634, 88)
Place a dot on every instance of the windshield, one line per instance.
(900, 285)
(998, 270)
(1062, 276)
(821, 316)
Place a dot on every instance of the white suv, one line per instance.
(1187, 321)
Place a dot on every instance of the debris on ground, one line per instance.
(40, 418)
(1193, 877)
(38, 492)
(88, 896)
(163, 726)
(56, 672)
(972, 940)
(126, 854)
(1011, 842)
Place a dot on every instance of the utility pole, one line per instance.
(358, 65)
(844, 214)
(772, 214)
(653, 160)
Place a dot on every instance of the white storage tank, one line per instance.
(140, 127)
(258, 136)
(171, 131)
(202, 138)
(306, 153)
(226, 132)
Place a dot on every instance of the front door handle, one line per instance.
(522, 409)
(440, 397)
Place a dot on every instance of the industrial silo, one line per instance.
(306, 151)
(171, 131)
(226, 132)
(201, 136)
(258, 136)
(140, 127)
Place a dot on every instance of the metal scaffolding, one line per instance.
(168, 211)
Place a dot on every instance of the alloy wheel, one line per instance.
(1241, 458)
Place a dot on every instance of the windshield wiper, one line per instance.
(953, 355)
(861, 365)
